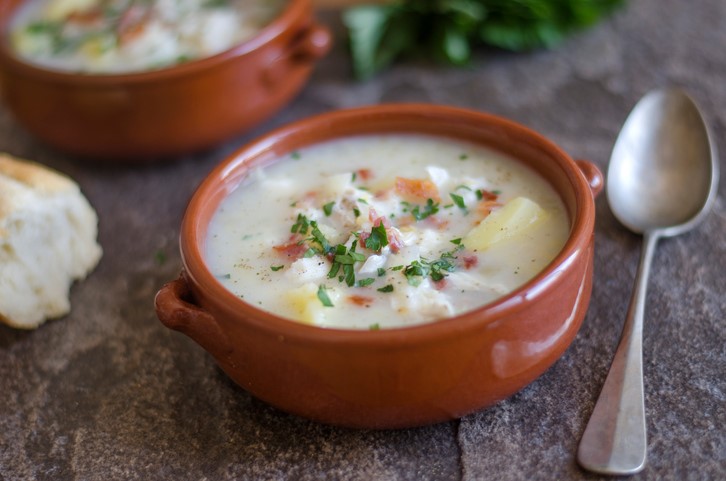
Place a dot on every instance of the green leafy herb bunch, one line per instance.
(447, 30)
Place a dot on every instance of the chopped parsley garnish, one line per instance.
(458, 200)
(463, 157)
(295, 155)
(317, 236)
(366, 282)
(356, 211)
(396, 268)
(374, 327)
(353, 176)
(479, 194)
(417, 271)
(378, 239)
(323, 296)
(328, 208)
(301, 225)
(456, 241)
(345, 259)
(363, 201)
(276, 268)
(381, 272)
(386, 288)
(429, 209)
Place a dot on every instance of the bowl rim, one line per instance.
(286, 18)
(201, 278)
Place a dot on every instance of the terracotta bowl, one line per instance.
(403, 376)
(144, 116)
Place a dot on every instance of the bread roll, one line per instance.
(47, 240)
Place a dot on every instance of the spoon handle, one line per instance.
(614, 441)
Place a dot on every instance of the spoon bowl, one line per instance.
(661, 181)
(662, 173)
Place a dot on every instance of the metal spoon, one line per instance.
(661, 181)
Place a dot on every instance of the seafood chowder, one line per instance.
(121, 36)
(372, 232)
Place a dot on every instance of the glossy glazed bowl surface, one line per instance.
(403, 376)
(141, 117)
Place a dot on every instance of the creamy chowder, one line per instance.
(120, 36)
(380, 231)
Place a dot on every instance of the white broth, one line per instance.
(120, 36)
(382, 231)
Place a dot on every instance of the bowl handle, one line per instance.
(308, 45)
(176, 310)
(592, 174)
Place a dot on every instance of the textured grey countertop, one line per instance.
(109, 393)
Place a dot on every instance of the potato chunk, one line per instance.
(518, 217)
(306, 304)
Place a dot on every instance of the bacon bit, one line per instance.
(485, 208)
(470, 261)
(293, 248)
(417, 188)
(383, 194)
(378, 219)
(360, 300)
(364, 174)
(487, 195)
(406, 221)
(394, 240)
(436, 222)
(440, 285)
(132, 23)
(86, 17)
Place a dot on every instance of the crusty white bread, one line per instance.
(47, 240)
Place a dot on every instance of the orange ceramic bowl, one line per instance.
(156, 114)
(403, 376)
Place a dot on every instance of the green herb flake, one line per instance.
(356, 212)
(328, 208)
(456, 241)
(381, 272)
(386, 288)
(378, 239)
(421, 212)
(295, 155)
(418, 270)
(458, 200)
(463, 156)
(319, 237)
(366, 282)
(363, 201)
(276, 268)
(224, 276)
(301, 225)
(375, 327)
(323, 296)
(353, 176)
(309, 253)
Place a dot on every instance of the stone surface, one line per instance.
(109, 393)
